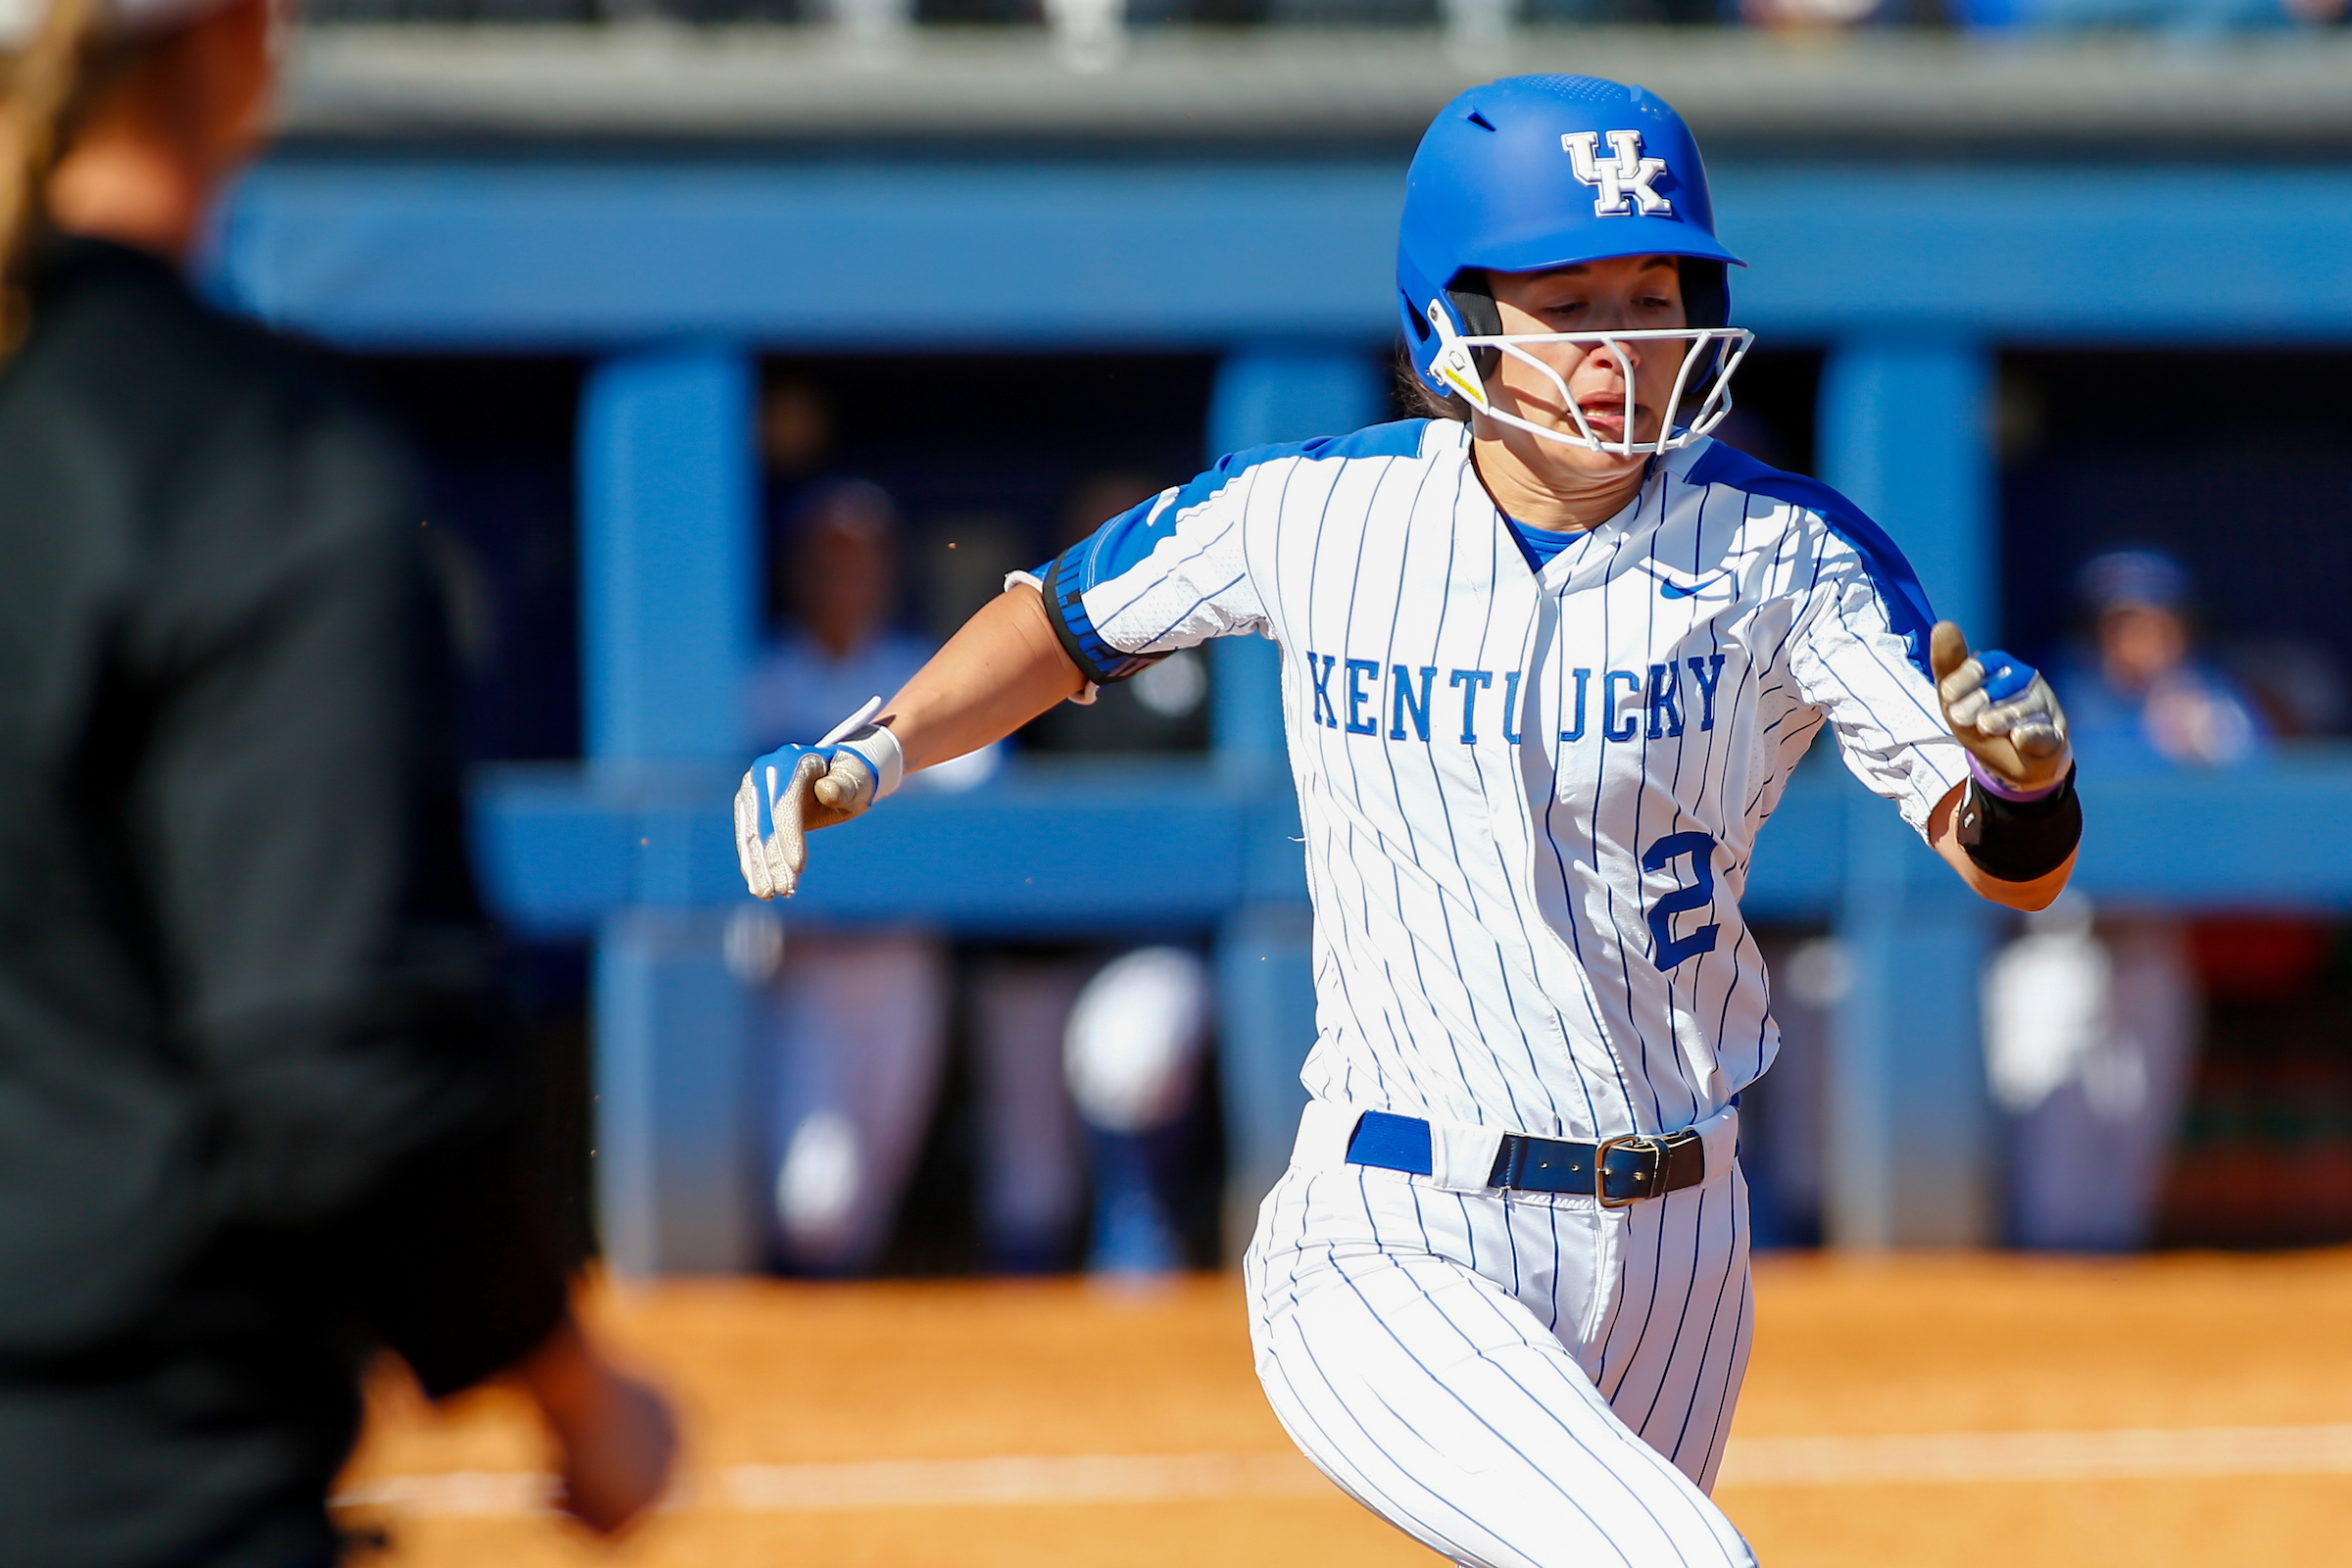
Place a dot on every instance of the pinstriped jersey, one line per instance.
(1530, 797)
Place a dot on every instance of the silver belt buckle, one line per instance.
(1601, 1167)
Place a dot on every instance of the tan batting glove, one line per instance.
(795, 790)
(2002, 709)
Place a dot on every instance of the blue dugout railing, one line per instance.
(678, 273)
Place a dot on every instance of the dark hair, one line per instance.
(1415, 397)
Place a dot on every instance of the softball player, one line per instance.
(1548, 656)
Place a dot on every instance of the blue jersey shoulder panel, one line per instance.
(1131, 536)
(1908, 612)
(1136, 532)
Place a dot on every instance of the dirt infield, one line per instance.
(1917, 1411)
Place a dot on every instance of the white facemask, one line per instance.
(1711, 352)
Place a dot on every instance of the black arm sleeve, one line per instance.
(1065, 607)
(2018, 841)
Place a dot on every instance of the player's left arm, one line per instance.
(2013, 828)
(1943, 831)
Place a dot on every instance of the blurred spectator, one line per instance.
(2090, 1031)
(1136, 1032)
(2138, 700)
(858, 1020)
(835, 574)
(1127, 1036)
(1133, 1057)
(251, 1089)
(1032, 1164)
(2089, 1035)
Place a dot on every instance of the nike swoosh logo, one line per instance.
(1675, 590)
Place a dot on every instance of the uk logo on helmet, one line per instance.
(1622, 180)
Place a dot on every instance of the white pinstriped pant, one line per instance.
(1518, 1382)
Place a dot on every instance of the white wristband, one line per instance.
(880, 750)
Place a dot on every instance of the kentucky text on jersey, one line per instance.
(1626, 696)
(1530, 797)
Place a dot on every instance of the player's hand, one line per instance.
(614, 1437)
(795, 790)
(2002, 710)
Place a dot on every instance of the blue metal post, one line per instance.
(667, 572)
(1265, 971)
(668, 554)
(1905, 431)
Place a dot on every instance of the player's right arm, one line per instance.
(1005, 666)
(1000, 669)
(1167, 575)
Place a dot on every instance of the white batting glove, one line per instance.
(795, 790)
(2002, 709)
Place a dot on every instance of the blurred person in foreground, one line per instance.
(254, 1123)
(2092, 1029)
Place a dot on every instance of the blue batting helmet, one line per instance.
(1538, 172)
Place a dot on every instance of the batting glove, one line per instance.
(795, 790)
(2004, 712)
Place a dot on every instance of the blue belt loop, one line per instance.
(1392, 1143)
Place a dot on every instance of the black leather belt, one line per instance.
(1633, 1168)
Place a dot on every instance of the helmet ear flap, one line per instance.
(1707, 292)
(1706, 302)
(1474, 301)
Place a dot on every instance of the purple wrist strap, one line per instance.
(1993, 785)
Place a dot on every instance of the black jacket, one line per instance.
(252, 1117)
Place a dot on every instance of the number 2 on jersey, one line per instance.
(1667, 950)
